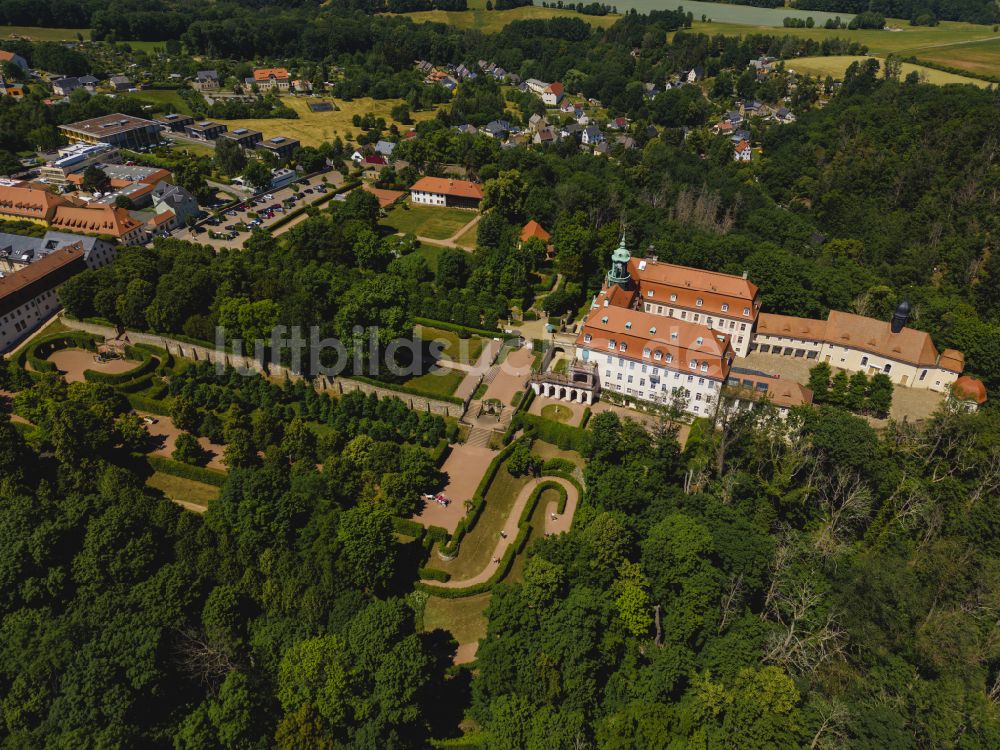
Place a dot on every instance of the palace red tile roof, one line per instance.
(445, 186)
(263, 74)
(94, 220)
(29, 201)
(967, 387)
(680, 340)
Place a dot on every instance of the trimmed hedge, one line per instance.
(38, 352)
(134, 386)
(561, 465)
(315, 204)
(147, 365)
(144, 403)
(529, 507)
(187, 471)
(408, 527)
(463, 331)
(439, 452)
(434, 574)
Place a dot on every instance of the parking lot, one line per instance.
(234, 227)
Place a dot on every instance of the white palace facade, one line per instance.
(666, 333)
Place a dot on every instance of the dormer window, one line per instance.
(699, 302)
(693, 365)
(652, 330)
(586, 338)
(611, 344)
(673, 335)
(673, 297)
(670, 358)
(649, 293)
(725, 307)
(628, 325)
(646, 352)
(658, 356)
(622, 347)
(699, 341)
(704, 366)
(746, 311)
(604, 319)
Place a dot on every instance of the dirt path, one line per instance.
(164, 434)
(465, 467)
(73, 362)
(510, 529)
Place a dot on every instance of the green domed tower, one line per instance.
(619, 266)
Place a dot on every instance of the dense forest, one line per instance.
(974, 11)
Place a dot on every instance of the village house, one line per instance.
(741, 151)
(267, 79)
(206, 80)
(120, 83)
(591, 136)
(441, 191)
(552, 94)
(14, 59)
(174, 123)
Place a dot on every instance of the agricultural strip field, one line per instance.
(492, 21)
(837, 64)
(949, 43)
(313, 128)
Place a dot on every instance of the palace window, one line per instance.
(699, 302)
(704, 366)
(586, 338)
(646, 352)
(746, 310)
(725, 307)
(623, 347)
(673, 297)
(692, 364)
(657, 356)
(670, 358)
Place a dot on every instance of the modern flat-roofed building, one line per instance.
(28, 297)
(281, 147)
(442, 191)
(244, 137)
(175, 122)
(206, 130)
(74, 159)
(119, 130)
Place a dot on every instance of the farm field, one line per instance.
(41, 34)
(837, 64)
(945, 44)
(161, 98)
(981, 58)
(428, 221)
(312, 128)
(492, 21)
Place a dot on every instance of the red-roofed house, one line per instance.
(741, 151)
(266, 79)
(969, 391)
(13, 57)
(552, 93)
(442, 191)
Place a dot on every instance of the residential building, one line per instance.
(535, 86)
(174, 122)
(591, 136)
(860, 344)
(385, 148)
(552, 94)
(749, 388)
(120, 83)
(741, 151)
(441, 191)
(206, 130)
(244, 137)
(65, 86)
(280, 146)
(119, 130)
(302, 86)
(14, 58)
(266, 79)
(968, 392)
(206, 80)
(15, 91)
(74, 159)
(27, 201)
(89, 82)
(496, 129)
(28, 297)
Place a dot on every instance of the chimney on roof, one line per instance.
(900, 317)
(744, 275)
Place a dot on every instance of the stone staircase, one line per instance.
(491, 374)
(479, 437)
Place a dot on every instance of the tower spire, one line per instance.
(619, 265)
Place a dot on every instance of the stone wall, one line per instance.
(335, 385)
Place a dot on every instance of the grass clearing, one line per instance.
(183, 490)
(466, 351)
(160, 98)
(440, 383)
(548, 450)
(492, 21)
(557, 412)
(313, 128)
(430, 253)
(436, 223)
(464, 618)
(40, 34)
(478, 546)
(836, 65)
(468, 238)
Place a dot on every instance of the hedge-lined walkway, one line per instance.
(510, 528)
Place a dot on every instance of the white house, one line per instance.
(552, 94)
(741, 151)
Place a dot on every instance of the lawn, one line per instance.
(39, 34)
(440, 383)
(432, 222)
(464, 618)
(557, 412)
(537, 522)
(836, 65)
(161, 98)
(313, 128)
(466, 351)
(945, 44)
(468, 238)
(185, 490)
(548, 450)
(477, 548)
(492, 21)
(430, 253)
